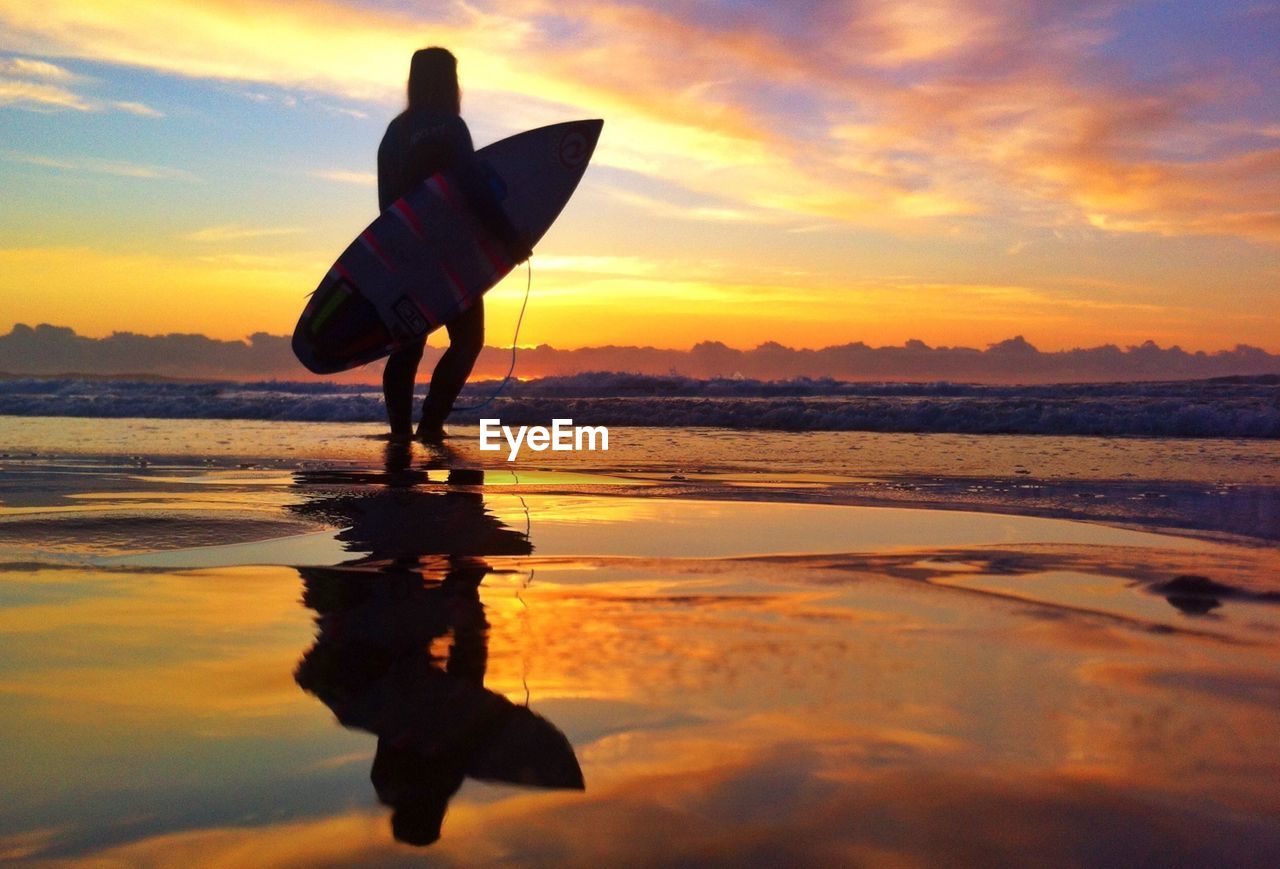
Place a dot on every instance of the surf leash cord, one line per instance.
(528, 284)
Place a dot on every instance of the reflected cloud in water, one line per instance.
(401, 643)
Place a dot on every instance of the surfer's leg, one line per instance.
(466, 338)
(397, 386)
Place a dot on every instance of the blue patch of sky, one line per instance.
(1191, 40)
(1211, 60)
(1157, 38)
(797, 112)
(231, 152)
(442, 12)
(798, 19)
(563, 30)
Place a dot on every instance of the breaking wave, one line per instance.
(1232, 407)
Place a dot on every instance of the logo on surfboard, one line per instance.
(573, 149)
(409, 314)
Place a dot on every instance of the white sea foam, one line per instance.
(1235, 407)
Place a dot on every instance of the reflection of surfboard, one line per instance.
(427, 257)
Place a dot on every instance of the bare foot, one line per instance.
(431, 434)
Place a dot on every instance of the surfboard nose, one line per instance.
(576, 142)
(591, 129)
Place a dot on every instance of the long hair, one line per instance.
(433, 81)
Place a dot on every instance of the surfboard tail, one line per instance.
(339, 328)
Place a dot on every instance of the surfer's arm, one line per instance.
(484, 202)
(388, 174)
(483, 199)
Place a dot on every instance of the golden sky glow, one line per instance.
(874, 171)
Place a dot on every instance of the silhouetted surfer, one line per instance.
(429, 136)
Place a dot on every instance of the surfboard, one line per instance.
(427, 258)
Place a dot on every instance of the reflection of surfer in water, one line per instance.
(429, 136)
(436, 723)
(372, 663)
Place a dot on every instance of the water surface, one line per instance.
(349, 663)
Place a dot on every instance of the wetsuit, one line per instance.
(417, 145)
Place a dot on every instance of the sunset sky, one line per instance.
(811, 173)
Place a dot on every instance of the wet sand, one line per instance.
(307, 662)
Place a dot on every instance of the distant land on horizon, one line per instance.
(47, 350)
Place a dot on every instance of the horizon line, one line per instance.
(1018, 340)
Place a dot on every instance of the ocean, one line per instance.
(1229, 407)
